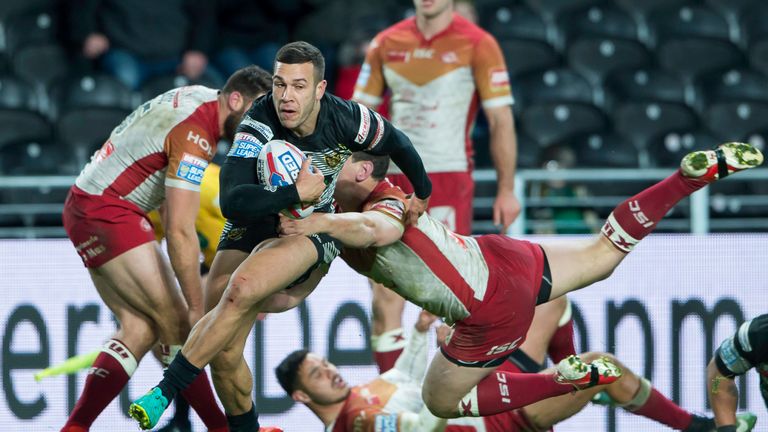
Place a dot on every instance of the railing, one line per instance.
(699, 220)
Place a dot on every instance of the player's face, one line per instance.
(321, 381)
(432, 8)
(296, 95)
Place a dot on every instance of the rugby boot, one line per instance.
(572, 370)
(148, 409)
(726, 159)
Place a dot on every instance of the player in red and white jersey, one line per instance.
(158, 154)
(489, 285)
(440, 68)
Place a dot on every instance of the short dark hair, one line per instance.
(249, 81)
(380, 163)
(288, 370)
(303, 52)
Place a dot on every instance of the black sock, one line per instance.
(178, 376)
(181, 415)
(248, 422)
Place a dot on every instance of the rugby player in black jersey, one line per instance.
(245, 270)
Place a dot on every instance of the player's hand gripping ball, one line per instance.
(278, 164)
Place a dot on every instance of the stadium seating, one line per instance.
(510, 22)
(643, 85)
(31, 27)
(40, 64)
(642, 122)
(162, 84)
(642, 8)
(524, 56)
(23, 125)
(604, 150)
(683, 21)
(11, 7)
(752, 23)
(734, 121)
(551, 9)
(691, 57)
(595, 58)
(732, 85)
(551, 123)
(731, 9)
(551, 85)
(16, 94)
(90, 91)
(604, 21)
(42, 157)
(758, 56)
(83, 131)
(667, 150)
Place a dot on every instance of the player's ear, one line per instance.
(235, 101)
(320, 89)
(300, 396)
(364, 171)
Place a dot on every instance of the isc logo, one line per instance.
(289, 163)
(498, 349)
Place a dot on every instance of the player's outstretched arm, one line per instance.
(355, 230)
(723, 396)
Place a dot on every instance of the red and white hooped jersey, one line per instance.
(167, 141)
(435, 86)
(430, 265)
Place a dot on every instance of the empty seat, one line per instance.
(31, 27)
(669, 149)
(596, 21)
(733, 85)
(692, 57)
(642, 8)
(752, 23)
(731, 9)
(40, 64)
(758, 56)
(642, 122)
(90, 91)
(736, 121)
(510, 22)
(11, 7)
(83, 131)
(551, 123)
(527, 55)
(604, 150)
(595, 58)
(16, 94)
(528, 152)
(551, 9)
(682, 21)
(643, 85)
(162, 84)
(551, 85)
(23, 125)
(35, 158)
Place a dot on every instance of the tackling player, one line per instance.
(440, 68)
(488, 286)
(157, 154)
(255, 263)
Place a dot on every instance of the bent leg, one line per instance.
(224, 265)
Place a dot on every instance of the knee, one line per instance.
(242, 292)
(137, 333)
(438, 407)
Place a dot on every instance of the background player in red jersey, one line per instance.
(158, 154)
(488, 286)
(439, 67)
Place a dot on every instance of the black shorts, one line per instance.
(745, 349)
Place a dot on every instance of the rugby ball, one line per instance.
(277, 165)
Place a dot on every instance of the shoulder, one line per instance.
(403, 26)
(463, 27)
(388, 199)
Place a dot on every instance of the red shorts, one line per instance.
(104, 227)
(499, 323)
(451, 200)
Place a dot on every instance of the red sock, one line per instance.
(561, 344)
(637, 217)
(108, 375)
(664, 411)
(504, 391)
(200, 397)
(387, 348)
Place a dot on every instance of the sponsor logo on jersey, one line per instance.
(499, 79)
(191, 168)
(245, 145)
(386, 423)
(397, 56)
(260, 127)
(379, 131)
(104, 151)
(423, 53)
(365, 73)
(201, 142)
(334, 159)
(449, 57)
(365, 124)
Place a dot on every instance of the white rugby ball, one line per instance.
(277, 165)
